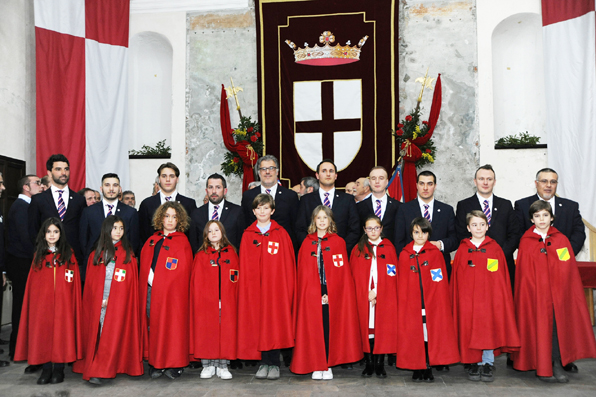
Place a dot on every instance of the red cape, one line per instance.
(266, 291)
(544, 282)
(442, 342)
(345, 345)
(386, 307)
(210, 336)
(50, 329)
(165, 345)
(483, 311)
(120, 348)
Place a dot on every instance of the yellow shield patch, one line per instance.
(563, 254)
(492, 265)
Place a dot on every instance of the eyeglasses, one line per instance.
(270, 169)
(373, 229)
(546, 181)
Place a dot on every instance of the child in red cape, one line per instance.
(50, 330)
(552, 315)
(214, 303)
(327, 332)
(423, 294)
(374, 267)
(111, 324)
(164, 292)
(483, 311)
(266, 290)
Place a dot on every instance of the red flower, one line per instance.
(425, 122)
(249, 130)
(258, 134)
(428, 151)
(232, 130)
(399, 132)
(236, 159)
(400, 126)
(253, 138)
(408, 118)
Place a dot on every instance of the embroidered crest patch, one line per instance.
(563, 254)
(234, 275)
(436, 274)
(171, 263)
(68, 275)
(492, 265)
(391, 270)
(338, 260)
(119, 275)
(272, 247)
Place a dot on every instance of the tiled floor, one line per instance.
(13, 382)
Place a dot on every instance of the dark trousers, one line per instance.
(556, 351)
(271, 357)
(17, 270)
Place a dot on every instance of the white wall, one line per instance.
(17, 81)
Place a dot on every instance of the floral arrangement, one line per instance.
(409, 129)
(248, 133)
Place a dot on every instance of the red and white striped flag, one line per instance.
(570, 81)
(82, 65)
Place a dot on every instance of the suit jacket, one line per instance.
(567, 219)
(148, 208)
(505, 228)
(365, 209)
(43, 207)
(92, 219)
(1, 245)
(18, 242)
(443, 223)
(344, 213)
(232, 218)
(286, 203)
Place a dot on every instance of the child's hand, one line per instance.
(325, 299)
(372, 296)
(104, 303)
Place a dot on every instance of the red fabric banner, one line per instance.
(554, 11)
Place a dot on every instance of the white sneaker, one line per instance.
(207, 372)
(224, 373)
(317, 375)
(328, 375)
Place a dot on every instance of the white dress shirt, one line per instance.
(219, 210)
(383, 204)
(162, 196)
(65, 195)
(272, 188)
(331, 195)
(106, 209)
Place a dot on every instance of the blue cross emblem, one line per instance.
(436, 274)
(391, 271)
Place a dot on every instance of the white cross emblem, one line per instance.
(68, 275)
(120, 275)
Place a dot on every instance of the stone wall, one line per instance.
(441, 36)
(220, 45)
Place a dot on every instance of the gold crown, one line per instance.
(327, 55)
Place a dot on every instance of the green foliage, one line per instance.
(248, 131)
(159, 149)
(410, 129)
(523, 138)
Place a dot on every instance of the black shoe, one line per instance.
(509, 362)
(4, 363)
(369, 369)
(442, 368)
(473, 372)
(379, 360)
(418, 375)
(428, 375)
(391, 360)
(95, 381)
(486, 375)
(559, 373)
(57, 376)
(174, 373)
(195, 365)
(347, 366)
(155, 373)
(45, 377)
(235, 364)
(32, 369)
(287, 360)
(571, 367)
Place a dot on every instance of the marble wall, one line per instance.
(220, 45)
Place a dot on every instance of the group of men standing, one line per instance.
(293, 212)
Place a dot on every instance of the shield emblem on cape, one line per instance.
(338, 260)
(273, 247)
(234, 275)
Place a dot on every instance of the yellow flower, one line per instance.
(414, 135)
(418, 129)
(428, 157)
(240, 132)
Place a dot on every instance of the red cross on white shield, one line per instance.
(338, 260)
(272, 247)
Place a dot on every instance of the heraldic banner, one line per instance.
(328, 84)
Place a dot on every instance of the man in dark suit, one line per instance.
(440, 215)
(567, 217)
(19, 253)
(168, 175)
(59, 202)
(342, 205)
(219, 209)
(379, 203)
(504, 226)
(94, 215)
(2, 268)
(286, 200)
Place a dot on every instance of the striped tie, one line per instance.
(268, 191)
(487, 211)
(110, 207)
(61, 206)
(215, 216)
(378, 209)
(326, 201)
(168, 198)
(426, 214)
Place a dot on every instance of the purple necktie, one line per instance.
(168, 198)
(61, 206)
(110, 209)
(215, 217)
(326, 200)
(426, 214)
(268, 191)
(378, 209)
(487, 211)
